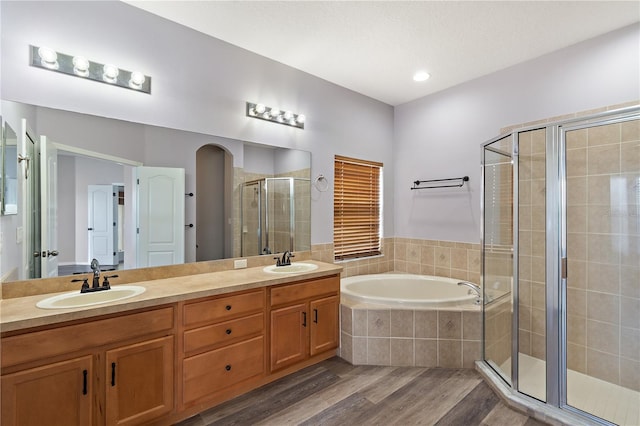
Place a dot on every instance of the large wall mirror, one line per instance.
(8, 167)
(96, 179)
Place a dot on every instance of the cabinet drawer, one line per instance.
(223, 308)
(223, 333)
(213, 371)
(305, 290)
(86, 336)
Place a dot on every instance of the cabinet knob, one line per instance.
(228, 331)
(228, 307)
(228, 368)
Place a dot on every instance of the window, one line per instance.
(356, 208)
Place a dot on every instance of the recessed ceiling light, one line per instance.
(421, 76)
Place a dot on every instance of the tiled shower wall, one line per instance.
(603, 221)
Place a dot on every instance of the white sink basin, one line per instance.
(76, 299)
(294, 268)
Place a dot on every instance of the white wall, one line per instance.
(439, 136)
(199, 84)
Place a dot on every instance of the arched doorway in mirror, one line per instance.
(214, 192)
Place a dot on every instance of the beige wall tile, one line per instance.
(630, 281)
(359, 322)
(442, 257)
(378, 323)
(603, 248)
(471, 325)
(577, 330)
(471, 351)
(599, 190)
(426, 352)
(604, 278)
(427, 256)
(630, 312)
(538, 321)
(538, 346)
(577, 273)
(576, 139)
(630, 374)
(577, 302)
(603, 337)
(359, 350)
(576, 218)
(401, 323)
(346, 347)
(630, 343)
(603, 366)
(603, 307)
(576, 246)
(402, 352)
(601, 135)
(630, 131)
(346, 323)
(603, 159)
(630, 157)
(426, 324)
(576, 192)
(378, 351)
(449, 325)
(449, 353)
(577, 162)
(577, 358)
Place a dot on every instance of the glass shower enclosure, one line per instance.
(276, 215)
(561, 265)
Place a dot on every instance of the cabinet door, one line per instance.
(289, 335)
(55, 394)
(324, 324)
(139, 382)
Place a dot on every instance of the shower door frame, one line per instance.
(555, 260)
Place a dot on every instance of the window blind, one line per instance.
(356, 208)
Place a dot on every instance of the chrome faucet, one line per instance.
(95, 267)
(473, 288)
(285, 260)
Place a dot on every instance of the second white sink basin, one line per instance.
(294, 268)
(76, 299)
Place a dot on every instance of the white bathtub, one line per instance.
(406, 291)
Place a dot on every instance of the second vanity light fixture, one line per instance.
(275, 115)
(79, 66)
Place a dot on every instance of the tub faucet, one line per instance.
(473, 288)
(95, 267)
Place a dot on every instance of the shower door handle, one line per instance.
(563, 268)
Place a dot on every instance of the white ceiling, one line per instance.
(375, 47)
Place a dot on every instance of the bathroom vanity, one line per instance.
(184, 345)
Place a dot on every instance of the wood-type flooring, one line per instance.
(337, 393)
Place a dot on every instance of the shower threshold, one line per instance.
(603, 399)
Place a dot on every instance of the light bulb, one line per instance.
(137, 80)
(48, 57)
(260, 108)
(288, 115)
(301, 118)
(274, 112)
(266, 115)
(110, 73)
(80, 66)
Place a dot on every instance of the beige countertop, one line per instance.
(22, 313)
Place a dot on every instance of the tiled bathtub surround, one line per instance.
(425, 338)
(425, 257)
(432, 338)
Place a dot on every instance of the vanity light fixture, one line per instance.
(79, 66)
(275, 115)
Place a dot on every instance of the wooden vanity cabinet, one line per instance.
(53, 394)
(223, 346)
(303, 320)
(114, 371)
